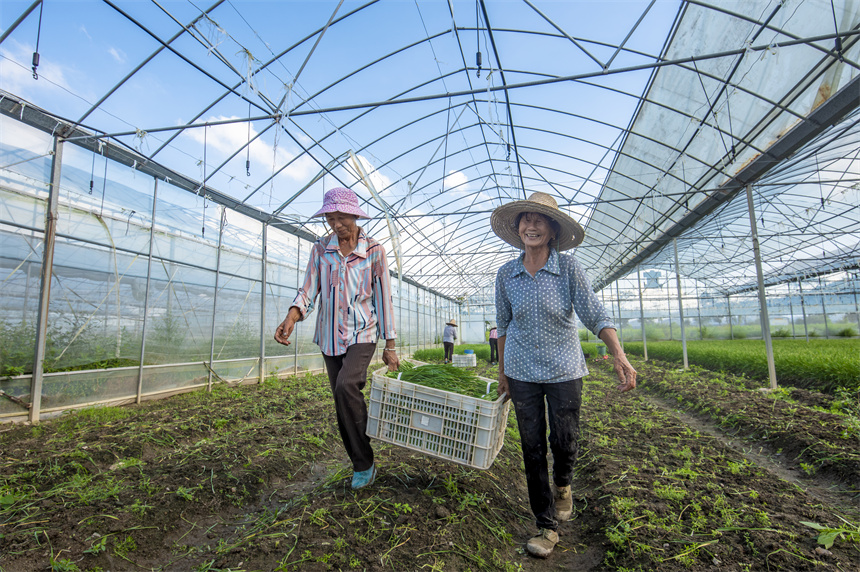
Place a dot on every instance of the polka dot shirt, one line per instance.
(537, 315)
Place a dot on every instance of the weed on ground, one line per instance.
(254, 477)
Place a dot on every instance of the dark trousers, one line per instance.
(449, 350)
(347, 374)
(563, 401)
(494, 350)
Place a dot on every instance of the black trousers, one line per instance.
(532, 402)
(347, 374)
(449, 350)
(494, 350)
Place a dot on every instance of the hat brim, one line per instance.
(341, 208)
(450, 324)
(504, 217)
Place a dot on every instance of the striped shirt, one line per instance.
(537, 315)
(494, 334)
(355, 294)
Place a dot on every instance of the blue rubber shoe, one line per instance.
(362, 479)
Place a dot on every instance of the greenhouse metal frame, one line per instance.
(156, 194)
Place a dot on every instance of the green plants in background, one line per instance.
(823, 365)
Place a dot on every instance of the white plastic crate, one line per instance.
(465, 360)
(450, 426)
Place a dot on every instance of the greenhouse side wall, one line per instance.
(154, 290)
(826, 306)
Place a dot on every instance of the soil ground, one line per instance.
(693, 471)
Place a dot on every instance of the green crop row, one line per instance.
(822, 365)
(482, 351)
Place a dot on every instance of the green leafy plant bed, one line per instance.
(445, 377)
(255, 478)
(816, 432)
(821, 365)
(672, 498)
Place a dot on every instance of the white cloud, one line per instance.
(83, 29)
(16, 75)
(223, 140)
(118, 55)
(456, 179)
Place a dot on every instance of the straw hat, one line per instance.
(341, 200)
(452, 323)
(504, 221)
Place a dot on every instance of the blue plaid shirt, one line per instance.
(538, 315)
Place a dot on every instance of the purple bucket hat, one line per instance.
(341, 200)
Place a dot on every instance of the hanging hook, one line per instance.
(38, 38)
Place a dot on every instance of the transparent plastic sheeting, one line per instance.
(650, 168)
(103, 290)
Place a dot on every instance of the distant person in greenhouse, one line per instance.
(539, 296)
(449, 336)
(494, 345)
(351, 271)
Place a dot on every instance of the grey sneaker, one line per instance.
(563, 503)
(542, 544)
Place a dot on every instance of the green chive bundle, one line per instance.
(442, 376)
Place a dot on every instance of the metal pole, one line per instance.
(669, 307)
(765, 320)
(803, 308)
(146, 293)
(215, 297)
(731, 327)
(45, 282)
(26, 291)
(401, 331)
(620, 320)
(263, 286)
(642, 314)
(681, 305)
(856, 305)
(823, 308)
(791, 309)
(296, 334)
(699, 310)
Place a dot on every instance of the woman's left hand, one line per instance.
(389, 358)
(625, 372)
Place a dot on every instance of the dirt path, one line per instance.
(765, 457)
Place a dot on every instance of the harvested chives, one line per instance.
(442, 376)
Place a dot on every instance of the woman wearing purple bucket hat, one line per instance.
(351, 269)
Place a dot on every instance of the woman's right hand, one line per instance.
(285, 330)
(502, 388)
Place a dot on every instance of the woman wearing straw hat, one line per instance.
(351, 271)
(449, 335)
(539, 296)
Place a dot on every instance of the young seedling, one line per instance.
(828, 535)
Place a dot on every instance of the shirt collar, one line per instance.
(332, 245)
(551, 266)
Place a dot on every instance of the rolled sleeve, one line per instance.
(382, 296)
(503, 306)
(310, 288)
(587, 305)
